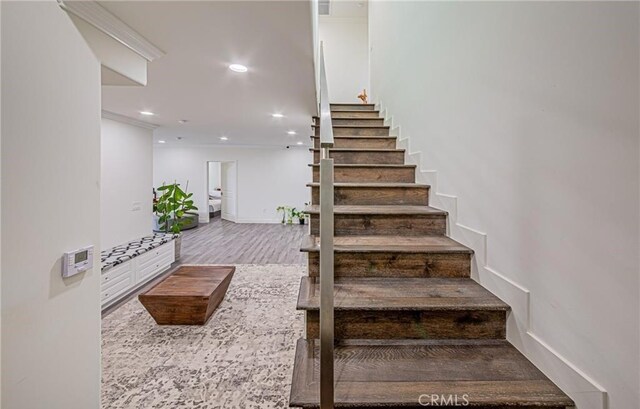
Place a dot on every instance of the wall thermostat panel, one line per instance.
(77, 261)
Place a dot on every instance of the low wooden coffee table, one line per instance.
(189, 295)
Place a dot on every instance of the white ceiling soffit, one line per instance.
(103, 20)
(127, 120)
(273, 39)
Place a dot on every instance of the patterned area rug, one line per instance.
(242, 358)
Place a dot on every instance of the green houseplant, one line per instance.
(300, 215)
(172, 209)
(287, 217)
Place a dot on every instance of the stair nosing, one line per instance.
(407, 185)
(305, 304)
(366, 165)
(357, 137)
(375, 210)
(356, 126)
(309, 245)
(358, 150)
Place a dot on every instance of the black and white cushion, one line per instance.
(120, 254)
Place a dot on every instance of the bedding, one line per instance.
(215, 205)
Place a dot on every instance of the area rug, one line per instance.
(242, 358)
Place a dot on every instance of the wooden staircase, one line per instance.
(412, 328)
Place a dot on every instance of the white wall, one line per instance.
(529, 114)
(126, 182)
(346, 54)
(267, 177)
(50, 204)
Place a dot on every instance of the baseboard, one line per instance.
(586, 392)
(259, 221)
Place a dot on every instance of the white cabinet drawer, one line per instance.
(152, 268)
(117, 289)
(151, 256)
(115, 275)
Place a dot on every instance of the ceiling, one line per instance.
(193, 81)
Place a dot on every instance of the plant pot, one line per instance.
(301, 221)
(178, 244)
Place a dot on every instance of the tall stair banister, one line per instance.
(326, 244)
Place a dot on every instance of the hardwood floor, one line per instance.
(224, 242)
(221, 242)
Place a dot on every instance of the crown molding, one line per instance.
(128, 120)
(99, 17)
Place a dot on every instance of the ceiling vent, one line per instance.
(324, 8)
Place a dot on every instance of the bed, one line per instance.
(215, 203)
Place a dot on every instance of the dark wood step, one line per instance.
(357, 121)
(375, 194)
(382, 220)
(392, 256)
(363, 156)
(359, 142)
(352, 107)
(362, 173)
(407, 308)
(356, 130)
(395, 374)
(354, 114)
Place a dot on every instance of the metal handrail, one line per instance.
(326, 244)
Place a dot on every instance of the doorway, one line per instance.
(222, 188)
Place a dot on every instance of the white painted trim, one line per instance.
(586, 392)
(332, 19)
(128, 120)
(99, 17)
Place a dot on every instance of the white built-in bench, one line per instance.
(130, 265)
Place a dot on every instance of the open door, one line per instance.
(229, 185)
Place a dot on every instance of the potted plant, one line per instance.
(284, 210)
(301, 216)
(172, 209)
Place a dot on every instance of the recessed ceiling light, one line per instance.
(238, 68)
(299, 143)
(147, 113)
(183, 121)
(162, 141)
(224, 138)
(277, 115)
(291, 132)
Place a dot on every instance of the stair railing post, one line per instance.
(326, 282)
(327, 393)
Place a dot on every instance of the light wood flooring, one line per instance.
(222, 241)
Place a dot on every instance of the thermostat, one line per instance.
(77, 261)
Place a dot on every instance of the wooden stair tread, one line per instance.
(357, 150)
(357, 137)
(365, 165)
(356, 126)
(374, 184)
(394, 373)
(395, 294)
(338, 104)
(355, 110)
(401, 244)
(348, 111)
(379, 209)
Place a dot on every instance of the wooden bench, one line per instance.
(188, 296)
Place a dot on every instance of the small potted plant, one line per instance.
(301, 216)
(285, 211)
(172, 208)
